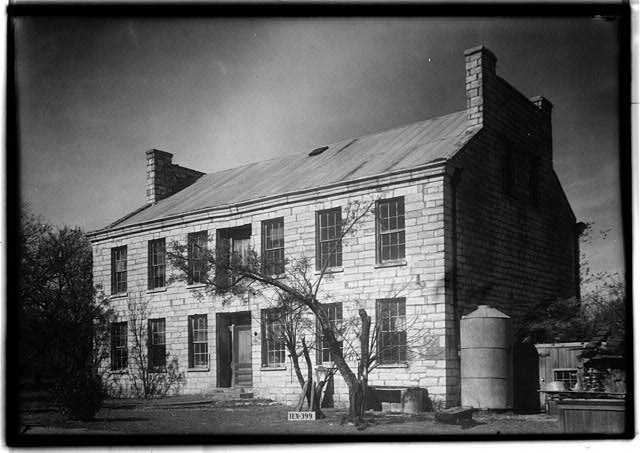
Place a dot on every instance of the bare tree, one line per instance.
(151, 372)
(296, 292)
(296, 326)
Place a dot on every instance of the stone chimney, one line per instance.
(165, 178)
(545, 108)
(480, 65)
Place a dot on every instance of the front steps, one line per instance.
(215, 397)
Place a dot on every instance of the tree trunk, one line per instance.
(337, 357)
(313, 397)
(364, 356)
(296, 364)
(355, 403)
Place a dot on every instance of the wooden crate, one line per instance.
(591, 416)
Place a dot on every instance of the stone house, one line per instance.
(469, 211)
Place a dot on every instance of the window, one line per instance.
(198, 343)
(157, 344)
(273, 246)
(508, 171)
(567, 375)
(273, 341)
(119, 270)
(328, 238)
(392, 337)
(196, 247)
(119, 353)
(157, 265)
(334, 313)
(233, 248)
(390, 226)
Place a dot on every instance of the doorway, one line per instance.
(234, 349)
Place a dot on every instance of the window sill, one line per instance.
(330, 270)
(157, 290)
(196, 286)
(390, 264)
(119, 296)
(393, 365)
(273, 368)
(198, 370)
(123, 371)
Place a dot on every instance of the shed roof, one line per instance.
(397, 149)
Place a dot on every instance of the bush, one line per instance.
(81, 395)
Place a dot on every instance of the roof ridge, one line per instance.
(333, 144)
(405, 125)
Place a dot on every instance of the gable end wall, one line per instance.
(510, 254)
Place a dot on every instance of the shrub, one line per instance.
(80, 395)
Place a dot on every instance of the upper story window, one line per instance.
(157, 263)
(233, 248)
(157, 344)
(273, 246)
(392, 336)
(334, 314)
(119, 353)
(328, 238)
(274, 348)
(390, 228)
(196, 248)
(119, 270)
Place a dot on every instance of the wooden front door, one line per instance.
(242, 372)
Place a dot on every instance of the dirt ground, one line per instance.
(200, 416)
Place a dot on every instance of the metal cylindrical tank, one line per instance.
(486, 360)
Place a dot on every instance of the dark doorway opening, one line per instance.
(234, 349)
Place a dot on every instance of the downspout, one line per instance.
(455, 179)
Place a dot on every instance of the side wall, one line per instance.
(421, 280)
(511, 253)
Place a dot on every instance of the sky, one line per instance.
(94, 94)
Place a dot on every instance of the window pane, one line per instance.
(274, 341)
(328, 238)
(392, 334)
(200, 346)
(391, 229)
(119, 346)
(119, 270)
(197, 244)
(273, 246)
(156, 263)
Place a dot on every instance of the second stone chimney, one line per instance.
(165, 178)
(480, 65)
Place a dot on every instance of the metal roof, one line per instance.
(401, 148)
